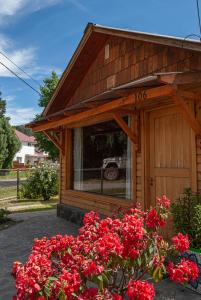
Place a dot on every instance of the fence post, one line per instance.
(101, 180)
(18, 183)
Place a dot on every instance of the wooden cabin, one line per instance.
(126, 116)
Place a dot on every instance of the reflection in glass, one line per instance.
(102, 160)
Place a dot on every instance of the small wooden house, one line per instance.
(126, 116)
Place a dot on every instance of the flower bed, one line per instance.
(109, 259)
(195, 256)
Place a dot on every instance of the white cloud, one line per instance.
(9, 98)
(78, 5)
(25, 58)
(9, 8)
(17, 8)
(19, 116)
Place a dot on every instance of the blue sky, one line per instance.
(41, 36)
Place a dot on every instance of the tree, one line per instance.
(47, 91)
(23, 129)
(9, 144)
(2, 106)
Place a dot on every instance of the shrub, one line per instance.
(4, 215)
(42, 182)
(109, 259)
(196, 228)
(184, 211)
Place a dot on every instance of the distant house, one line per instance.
(28, 153)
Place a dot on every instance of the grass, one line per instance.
(27, 205)
(13, 175)
(8, 191)
(36, 208)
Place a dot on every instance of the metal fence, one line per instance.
(11, 181)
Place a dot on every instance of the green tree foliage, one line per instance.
(47, 90)
(42, 182)
(2, 106)
(9, 144)
(24, 130)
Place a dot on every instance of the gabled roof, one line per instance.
(24, 138)
(92, 41)
(156, 83)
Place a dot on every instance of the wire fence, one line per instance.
(11, 181)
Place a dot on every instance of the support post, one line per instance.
(55, 141)
(187, 114)
(120, 121)
(18, 183)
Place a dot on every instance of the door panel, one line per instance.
(170, 154)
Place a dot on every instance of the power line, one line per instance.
(199, 22)
(20, 78)
(2, 53)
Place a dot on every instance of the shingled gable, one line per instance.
(93, 40)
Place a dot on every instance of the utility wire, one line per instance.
(199, 22)
(2, 53)
(20, 78)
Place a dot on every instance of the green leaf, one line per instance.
(69, 251)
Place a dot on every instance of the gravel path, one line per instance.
(16, 243)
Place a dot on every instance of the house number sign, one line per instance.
(140, 96)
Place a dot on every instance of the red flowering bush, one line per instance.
(109, 259)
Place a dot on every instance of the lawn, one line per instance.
(13, 175)
(29, 205)
(8, 191)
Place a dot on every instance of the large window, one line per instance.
(102, 160)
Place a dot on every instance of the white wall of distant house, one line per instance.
(27, 148)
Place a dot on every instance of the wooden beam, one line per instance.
(120, 121)
(187, 114)
(181, 78)
(63, 141)
(54, 140)
(128, 112)
(133, 99)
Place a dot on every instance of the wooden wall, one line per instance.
(129, 60)
(198, 149)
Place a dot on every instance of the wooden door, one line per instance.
(171, 150)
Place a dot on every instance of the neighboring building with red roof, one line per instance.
(28, 153)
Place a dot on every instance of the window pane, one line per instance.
(102, 160)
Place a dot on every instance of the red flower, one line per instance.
(88, 294)
(181, 242)
(163, 202)
(117, 297)
(140, 290)
(68, 283)
(154, 220)
(16, 267)
(110, 244)
(183, 272)
(91, 218)
(133, 227)
(91, 268)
